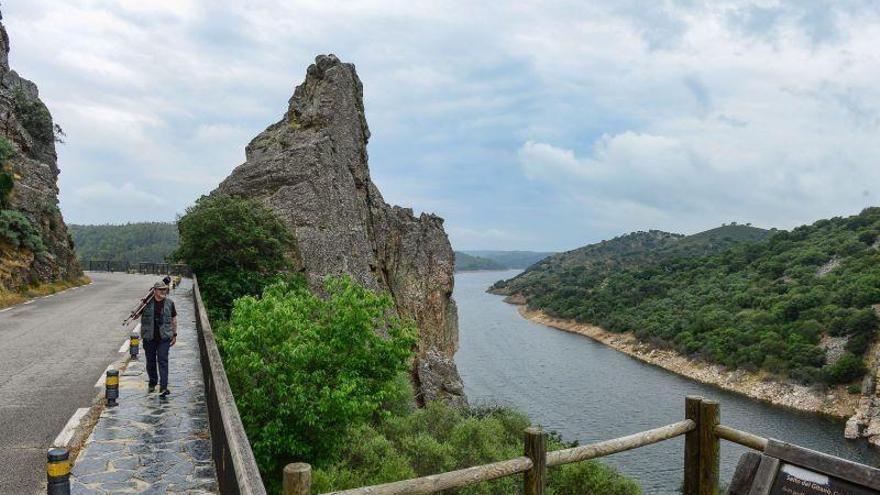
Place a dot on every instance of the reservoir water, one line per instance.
(589, 392)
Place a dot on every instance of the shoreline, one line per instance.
(836, 403)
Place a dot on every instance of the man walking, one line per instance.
(158, 334)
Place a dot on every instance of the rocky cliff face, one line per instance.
(30, 208)
(311, 168)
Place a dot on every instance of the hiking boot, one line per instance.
(164, 393)
(151, 389)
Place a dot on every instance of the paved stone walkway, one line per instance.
(150, 445)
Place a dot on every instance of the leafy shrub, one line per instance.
(846, 369)
(306, 369)
(857, 344)
(6, 184)
(16, 229)
(35, 118)
(7, 151)
(439, 438)
(235, 245)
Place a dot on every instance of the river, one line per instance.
(589, 392)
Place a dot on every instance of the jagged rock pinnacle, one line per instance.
(311, 168)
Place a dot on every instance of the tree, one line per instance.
(236, 246)
(306, 369)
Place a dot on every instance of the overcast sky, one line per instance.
(526, 125)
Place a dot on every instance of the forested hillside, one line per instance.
(132, 242)
(511, 259)
(589, 265)
(465, 262)
(798, 304)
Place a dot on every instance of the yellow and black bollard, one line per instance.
(58, 472)
(134, 343)
(112, 392)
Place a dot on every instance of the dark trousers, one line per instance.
(157, 353)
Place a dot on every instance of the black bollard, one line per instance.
(58, 472)
(112, 393)
(134, 343)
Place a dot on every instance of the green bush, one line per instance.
(236, 246)
(35, 118)
(16, 229)
(306, 369)
(439, 438)
(848, 368)
(7, 151)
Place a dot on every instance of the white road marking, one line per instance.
(127, 344)
(66, 435)
(27, 302)
(4, 310)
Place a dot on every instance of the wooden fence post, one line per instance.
(692, 446)
(535, 479)
(709, 447)
(297, 479)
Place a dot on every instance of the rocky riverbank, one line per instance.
(836, 402)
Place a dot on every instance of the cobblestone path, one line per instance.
(150, 445)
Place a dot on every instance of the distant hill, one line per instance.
(465, 262)
(132, 242)
(589, 265)
(511, 259)
(797, 304)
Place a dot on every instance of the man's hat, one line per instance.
(160, 286)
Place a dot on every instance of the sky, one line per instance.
(542, 125)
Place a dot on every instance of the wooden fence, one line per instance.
(700, 428)
(237, 471)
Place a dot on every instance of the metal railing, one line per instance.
(701, 429)
(237, 471)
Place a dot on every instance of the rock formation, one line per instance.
(30, 209)
(311, 168)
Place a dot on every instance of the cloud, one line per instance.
(116, 203)
(553, 123)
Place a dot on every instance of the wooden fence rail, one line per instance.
(700, 427)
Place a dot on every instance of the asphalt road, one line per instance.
(52, 351)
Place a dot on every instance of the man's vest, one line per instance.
(147, 326)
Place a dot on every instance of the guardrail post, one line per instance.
(709, 447)
(134, 343)
(297, 479)
(58, 472)
(535, 479)
(692, 447)
(111, 384)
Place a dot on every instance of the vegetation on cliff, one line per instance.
(755, 305)
(315, 381)
(132, 242)
(324, 377)
(236, 247)
(16, 230)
